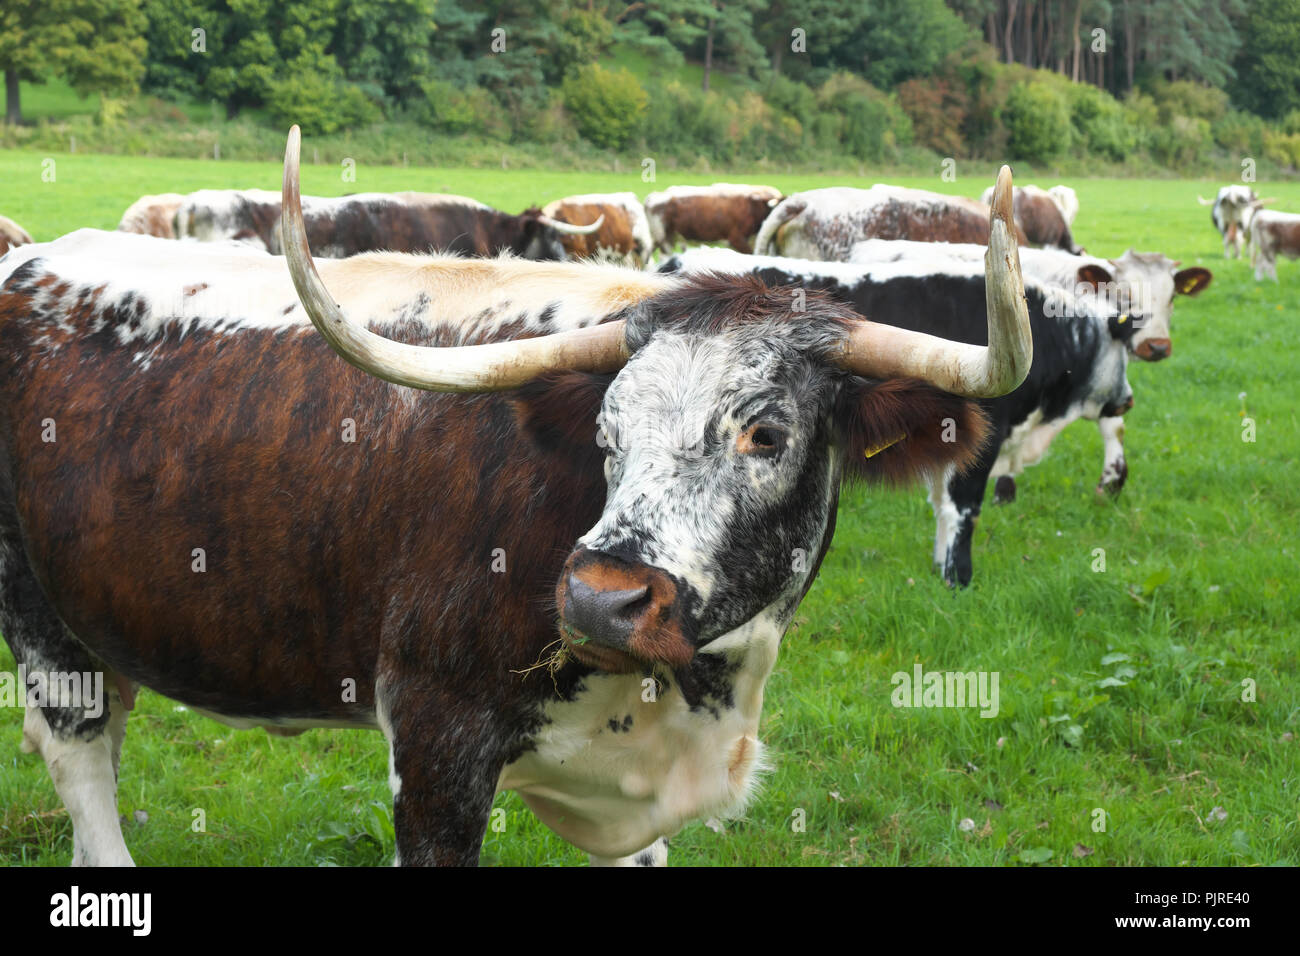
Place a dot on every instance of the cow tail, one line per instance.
(786, 209)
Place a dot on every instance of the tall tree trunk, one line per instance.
(1027, 41)
(1078, 15)
(1010, 27)
(708, 55)
(13, 105)
(778, 54)
(1130, 48)
(991, 28)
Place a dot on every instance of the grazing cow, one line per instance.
(396, 580)
(730, 211)
(1040, 215)
(12, 235)
(825, 223)
(1079, 366)
(1141, 285)
(1229, 214)
(152, 215)
(624, 236)
(366, 222)
(1271, 232)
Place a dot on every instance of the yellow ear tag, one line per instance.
(1123, 318)
(872, 452)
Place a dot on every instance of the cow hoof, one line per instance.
(1004, 490)
(1110, 489)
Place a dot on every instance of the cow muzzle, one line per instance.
(1153, 350)
(620, 616)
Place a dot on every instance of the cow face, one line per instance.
(1142, 285)
(724, 444)
(537, 240)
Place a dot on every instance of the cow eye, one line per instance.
(762, 440)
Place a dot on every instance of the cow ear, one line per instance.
(899, 430)
(557, 412)
(1192, 280)
(1094, 276)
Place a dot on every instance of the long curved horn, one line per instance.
(492, 367)
(570, 229)
(1203, 201)
(975, 371)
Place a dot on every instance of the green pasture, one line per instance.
(1158, 695)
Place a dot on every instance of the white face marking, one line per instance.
(678, 487)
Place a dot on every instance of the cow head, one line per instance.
(539, 235)
(1141, 286)
(728, 422)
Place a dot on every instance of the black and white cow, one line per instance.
(1229, 213)
(1079, 367)
(1141, 285)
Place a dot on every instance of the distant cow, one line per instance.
(730, 211)
(1271, 232)
(1229, 216)
(825, 223)
(1139, 287)
(1079, 363)
(1040, 214)
(242, 215)
(1067, 200)
(12, 234)
(624, 236)
(152, 215)
(344, 226)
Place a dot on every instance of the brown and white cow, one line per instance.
(1229, 214)
(1271, 233)
(152, 215)
(1040, 214)
(647, 449)
(12, 235)
(367, 222)
(724, 211)
(824, 224)
(624, 234)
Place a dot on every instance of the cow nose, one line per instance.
(1153, 350)
(606, 616)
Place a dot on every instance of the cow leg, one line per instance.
(80, 738)
(1114, 471)
(444, 762)
(957, 506)
(656, 854)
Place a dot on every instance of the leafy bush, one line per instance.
(1282, 148)
(452, 110)
(1099, 122)
(1037, 122)
(608, 107)
(1181, 142)
(318, 103)
(937, 107)
(1186, 98)
(1240, 133)
(870, 124)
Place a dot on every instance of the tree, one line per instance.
(1268, 66)
(96, 45)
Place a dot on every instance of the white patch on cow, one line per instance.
(86, 781)
(945, 515)
(656, 854)
(148, 212)
(614, 793)
(226, 289)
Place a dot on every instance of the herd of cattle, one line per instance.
(181, 505)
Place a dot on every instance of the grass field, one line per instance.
(1121, 690)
